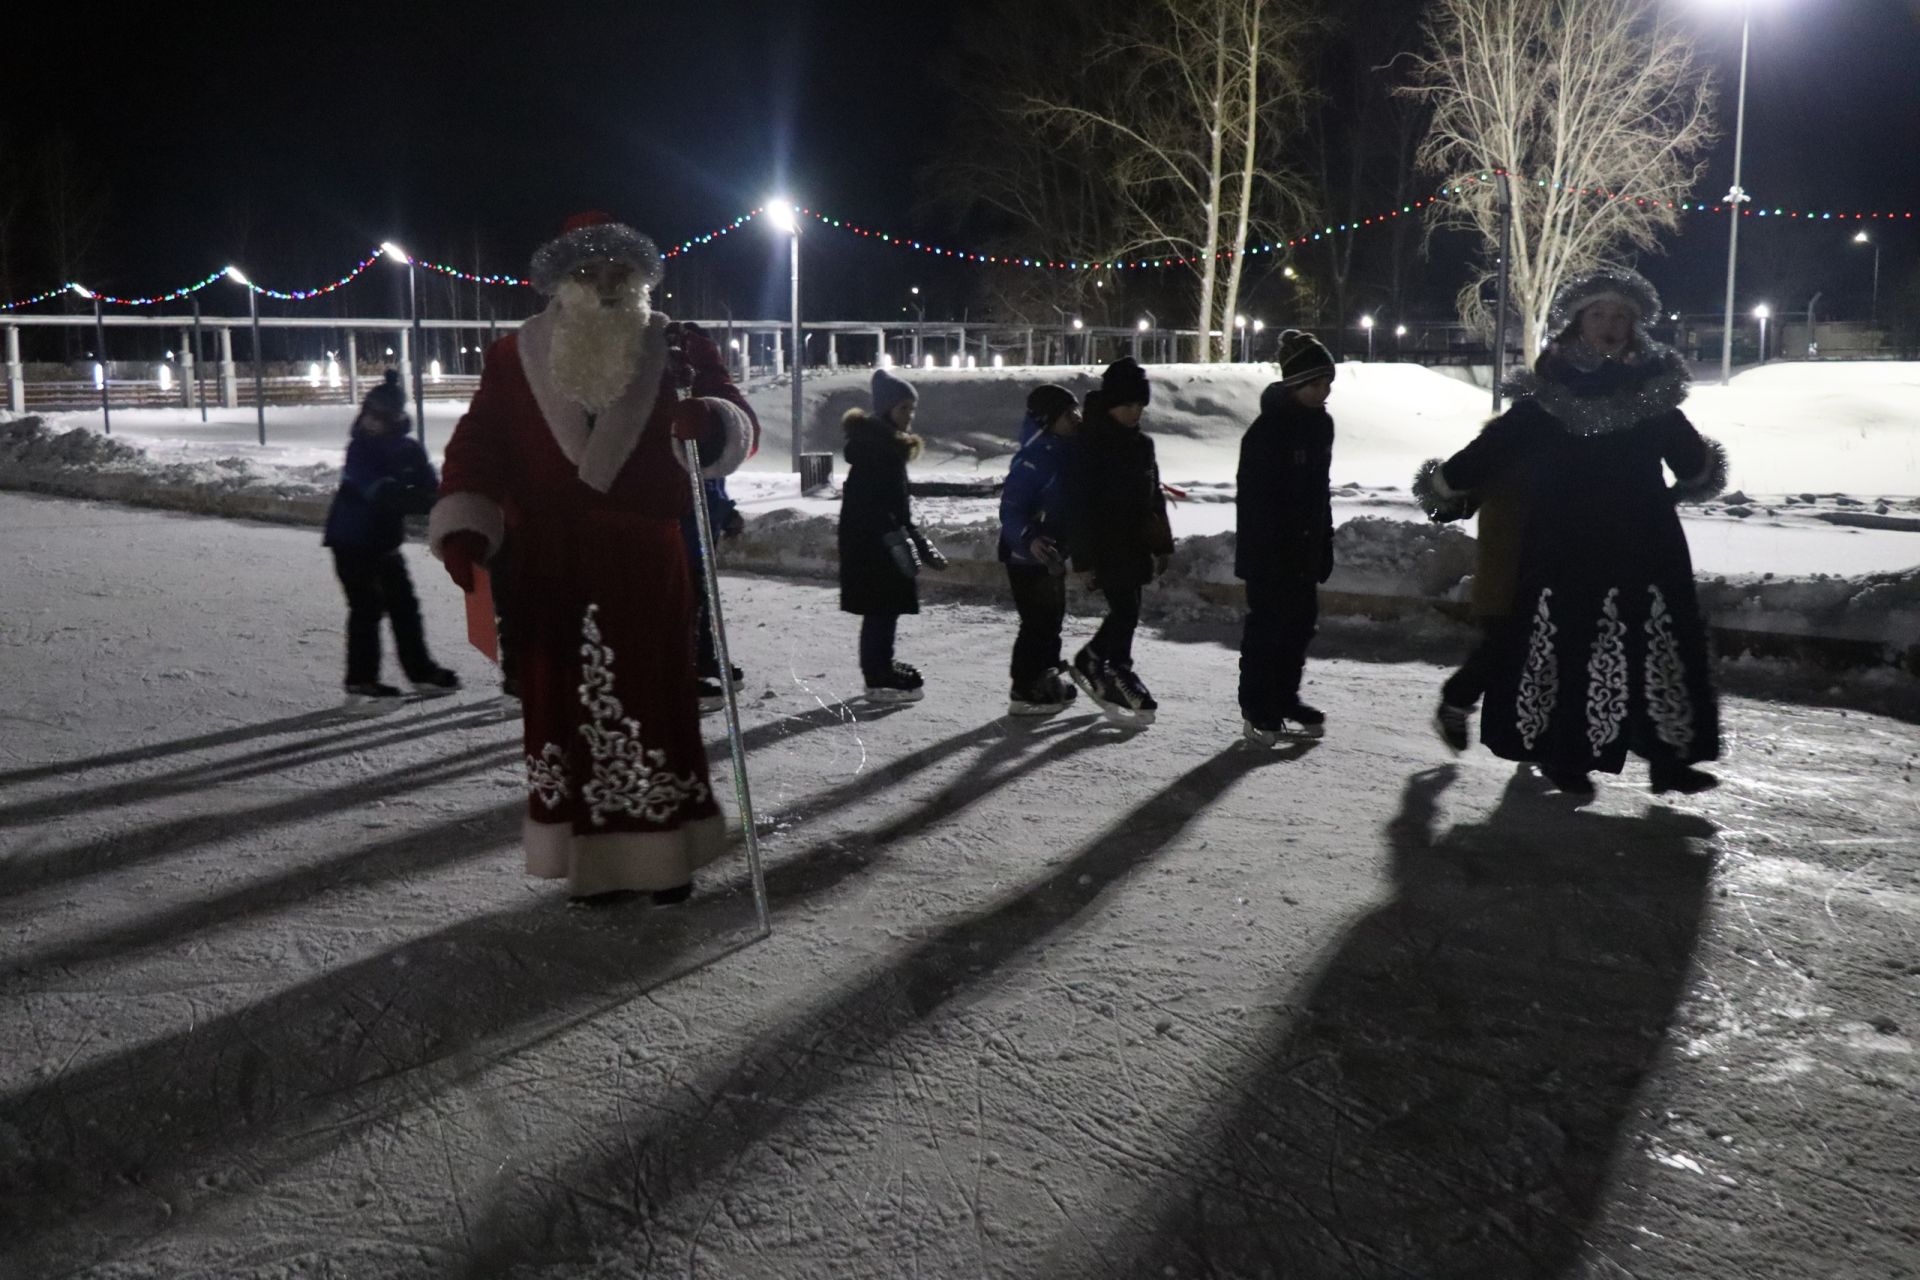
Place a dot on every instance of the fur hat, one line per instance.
(594, 237)
(1125, 382)
(1303, 358)
(389, 398)
(1607, 284)
(1047, 402)
(889, 391)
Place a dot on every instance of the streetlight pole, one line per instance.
(259, 378)
(1736, 197)
(1762, 312)
(397, 254)
(785, 219)
(1366, 322)
(100, 352)
(1873, 313)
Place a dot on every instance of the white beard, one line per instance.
(596, 348)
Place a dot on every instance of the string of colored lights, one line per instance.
(963, 255)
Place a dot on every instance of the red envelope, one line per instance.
(482, 633)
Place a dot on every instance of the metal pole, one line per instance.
(100, 348)
(199, 361)
(419, 352)
(259, 374)
(229, 383)
(1763, 339)
(16, 382)
(741, 791)
(1873, 311)
(1735, 198)
(1506, 269)
(353, 367)
(799, 360)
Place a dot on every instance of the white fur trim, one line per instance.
(603, 863)
(466, 512)
(598, 451)
(739, 438)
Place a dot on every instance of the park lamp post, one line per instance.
(395, 253)
(1259, 327)
(99, 352)
(1873, 313)
(1736, 195)
(1366, 322)
(1240, 324)
(1761, 313)
(784, 218)
(239, 277)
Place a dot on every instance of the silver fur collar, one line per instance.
(1595, 415)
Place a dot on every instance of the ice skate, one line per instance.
(1131, 702)
(372, 698)
(437, 682)
(1452, 724)
(1684, 778)
(901, 684)
(712, 695)
(1041, 698)
(1266, 732)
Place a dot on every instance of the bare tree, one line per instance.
(1163, 143)
(1599, 111)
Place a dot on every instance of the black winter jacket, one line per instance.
(874, 502)
(1285, 511)
(1123, 511)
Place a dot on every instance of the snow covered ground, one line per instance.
(1042, 1000)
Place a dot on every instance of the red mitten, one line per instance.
(460, 552)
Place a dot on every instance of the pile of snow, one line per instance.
(1847, 427)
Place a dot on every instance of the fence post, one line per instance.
(1029, 346)
(353, 367)
(833, 349)
(16, 381)
(229, 380)
(187, 389)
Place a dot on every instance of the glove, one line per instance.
(734, 525)
(1046, 551)
(460, 552)
(1160, 564)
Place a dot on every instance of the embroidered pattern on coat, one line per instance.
(1607, 676)
(627, 777)
(1540, 680)
(1668, 704)
(547, 775)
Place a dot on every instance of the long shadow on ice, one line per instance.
(1455, 1088)
(567, 1204)
(298, 1073)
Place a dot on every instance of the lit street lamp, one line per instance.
(781, 214)
(1240, 323)
(1861, 237)
(1399, 339)
(1366, 322)
(100, 352)
(419, 352)
(1735, 198)
(1761, 313)
(259, 379)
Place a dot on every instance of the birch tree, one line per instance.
(1600, 111)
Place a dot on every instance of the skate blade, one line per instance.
(360, 704)
(710, 705)
(895, 695)
(1016, 707)
(1121, 714)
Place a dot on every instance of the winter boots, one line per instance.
(901, 684)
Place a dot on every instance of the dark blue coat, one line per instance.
(1284, 529)
(1041, 498)
(386, 479)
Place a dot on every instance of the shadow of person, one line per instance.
(1456, 1085)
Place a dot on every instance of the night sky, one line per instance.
(290, 138)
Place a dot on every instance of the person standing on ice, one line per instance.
(1125, 539)
(1037, 513)
(880, 549)
(573, 436)
(387, 477)
(1283, 540)
(1608, 651)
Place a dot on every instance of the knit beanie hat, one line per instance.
(1303, 358)
(1125, 382)
(1047, 402)
(889, 391)
(389, 398)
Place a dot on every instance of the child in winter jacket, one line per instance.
(1283, 545)
(880, 550)
(1038, 506)
(1125, 538)
(386, 478)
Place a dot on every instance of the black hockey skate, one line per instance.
(901, 684)
(1452, 724)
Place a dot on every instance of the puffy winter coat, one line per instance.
(1285, 512)
(386, 479)
(1124, 524)
(873, 503)
(1041, 498)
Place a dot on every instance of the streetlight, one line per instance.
(1861, 237)
(781, 214)
(1761, 313)
(1736, 196)
(1399, 339)
(1366, 322)
(1240, 323)
(100, 349)
(259, 379)
(1258, 326)
(419, 352)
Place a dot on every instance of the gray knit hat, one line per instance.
(1607, 284)
(889, 391)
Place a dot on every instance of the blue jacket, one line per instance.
(386, 479)
(1042, 495)
(719, 507)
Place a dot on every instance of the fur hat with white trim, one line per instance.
(594, 237)
(1606, 284)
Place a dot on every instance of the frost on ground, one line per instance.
(1042, 1000)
